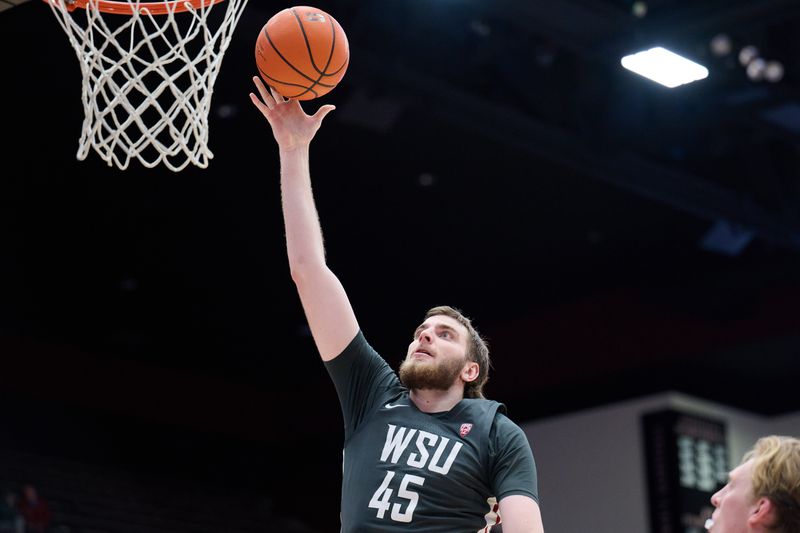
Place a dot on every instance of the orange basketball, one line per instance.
(302, 52)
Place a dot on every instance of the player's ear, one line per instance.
(470, 372)
(762, 513)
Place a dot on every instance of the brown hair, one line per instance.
(477, 349)
(776, 476)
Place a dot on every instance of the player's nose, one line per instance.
(426, 335)
(715, 498)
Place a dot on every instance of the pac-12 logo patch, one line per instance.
(465, 429)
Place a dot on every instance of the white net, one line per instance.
(148, 78)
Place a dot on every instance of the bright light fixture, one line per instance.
(664, 67)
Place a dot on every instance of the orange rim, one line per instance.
(128, 8)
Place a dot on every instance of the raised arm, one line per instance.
(328, 311)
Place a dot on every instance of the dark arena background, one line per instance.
(625, 247)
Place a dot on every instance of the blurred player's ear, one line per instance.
(763, 514)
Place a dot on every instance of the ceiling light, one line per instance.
(747, 54)
(721, 45)
(426, 179)
(773, 71)
(664, 67)
(756, 68)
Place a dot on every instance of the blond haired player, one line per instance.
(763, 492)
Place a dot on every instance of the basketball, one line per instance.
(302, 52)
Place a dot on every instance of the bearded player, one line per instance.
(424, 451)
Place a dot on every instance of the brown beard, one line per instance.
(436, 375)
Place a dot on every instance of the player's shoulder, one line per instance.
(504, 427)
(506, 436)
(502, 420)
(357, 348)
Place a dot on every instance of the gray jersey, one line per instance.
(409, 470)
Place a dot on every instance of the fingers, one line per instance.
(259, 104)
(278, 97)
(267, 98)
(271, 99)
(323, 111)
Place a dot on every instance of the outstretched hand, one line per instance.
(291, 126)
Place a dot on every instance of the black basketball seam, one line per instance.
(346, 60)
(335, 72)
(308, 48)
(290, 85)
(308, 45)
(333, 47)
(295, 84)
(322, 73)
(272, 44)
(276, 80)
(298, 95)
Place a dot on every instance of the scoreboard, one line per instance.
(686, 463)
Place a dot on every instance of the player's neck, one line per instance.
(436, 401)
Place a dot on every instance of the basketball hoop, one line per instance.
(148, 74)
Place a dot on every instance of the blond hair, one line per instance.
(477, 349)
(776, 476)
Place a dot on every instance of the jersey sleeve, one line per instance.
(363, 380)
(512, 465)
